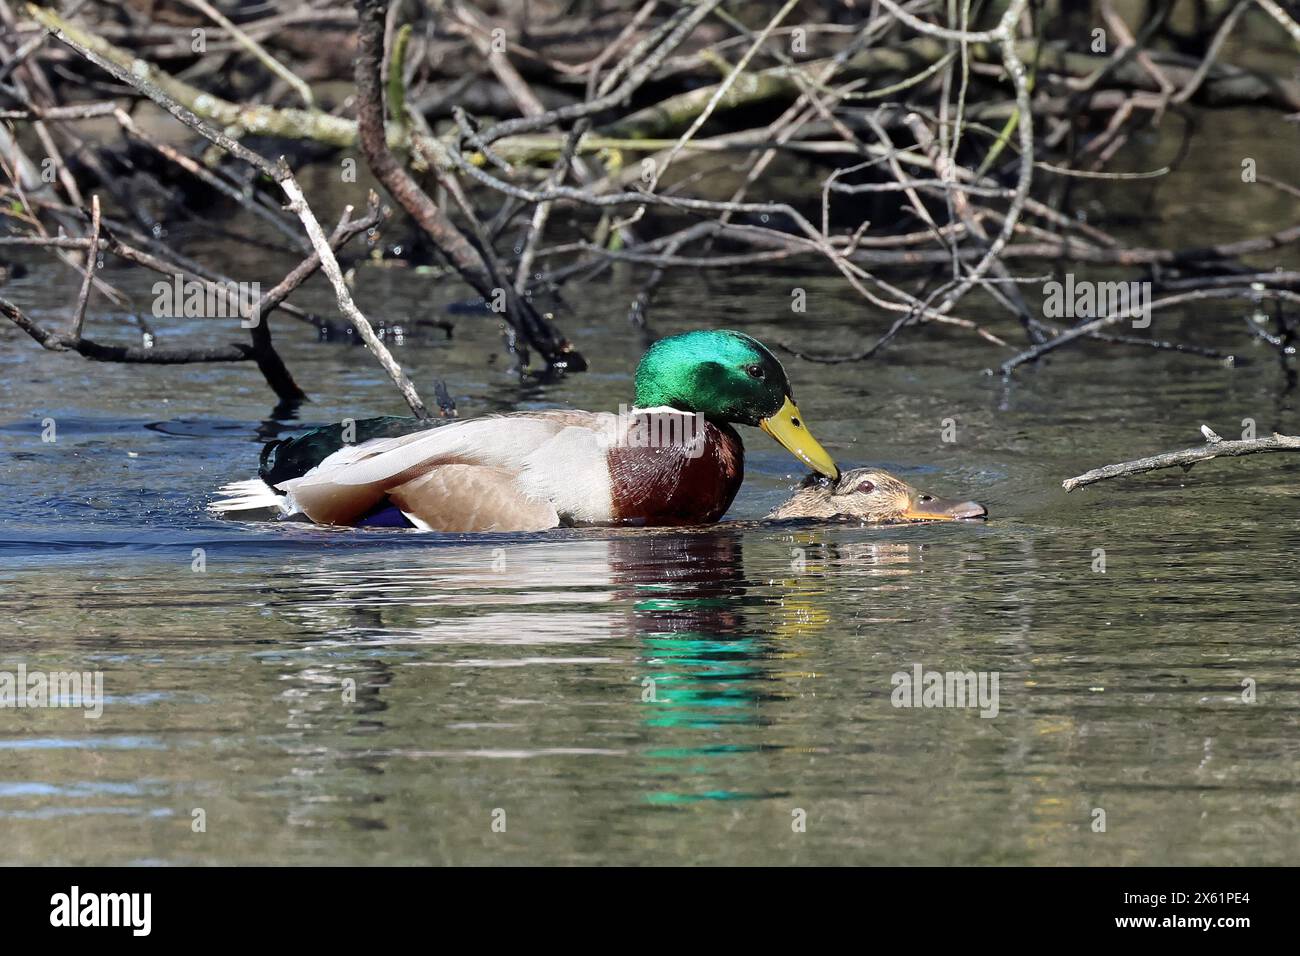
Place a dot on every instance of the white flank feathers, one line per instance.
(556, 461)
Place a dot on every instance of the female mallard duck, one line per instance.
(673, 459)
(873, 496)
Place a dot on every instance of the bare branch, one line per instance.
(1213, 448)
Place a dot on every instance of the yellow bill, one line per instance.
(787, 427)
(928, 508)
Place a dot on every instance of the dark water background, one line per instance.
(507, 672)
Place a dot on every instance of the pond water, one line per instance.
(500, 711)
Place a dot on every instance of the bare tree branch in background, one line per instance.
(918, 154)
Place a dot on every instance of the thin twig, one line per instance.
(1038, 351)
(92, 258)
(255, 48)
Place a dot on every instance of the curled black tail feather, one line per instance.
(266, 462)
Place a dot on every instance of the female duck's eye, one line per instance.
(866, 488)
(926, 498)
(755, 371)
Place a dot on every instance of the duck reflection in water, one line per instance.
(701, 662)
(722, 647)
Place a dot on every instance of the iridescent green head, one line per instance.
(728, 377)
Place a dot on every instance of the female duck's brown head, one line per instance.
(871, 495)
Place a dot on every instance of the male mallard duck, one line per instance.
(874, 496)
(673, 459)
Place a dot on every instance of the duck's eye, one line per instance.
(866, 488)
(755, 371)
(926, 498)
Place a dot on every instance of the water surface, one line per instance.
(505, 677)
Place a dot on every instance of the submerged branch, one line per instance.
(56, 342)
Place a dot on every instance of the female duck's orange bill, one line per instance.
(928, 508)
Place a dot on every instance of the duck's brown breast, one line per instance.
(675, 483)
